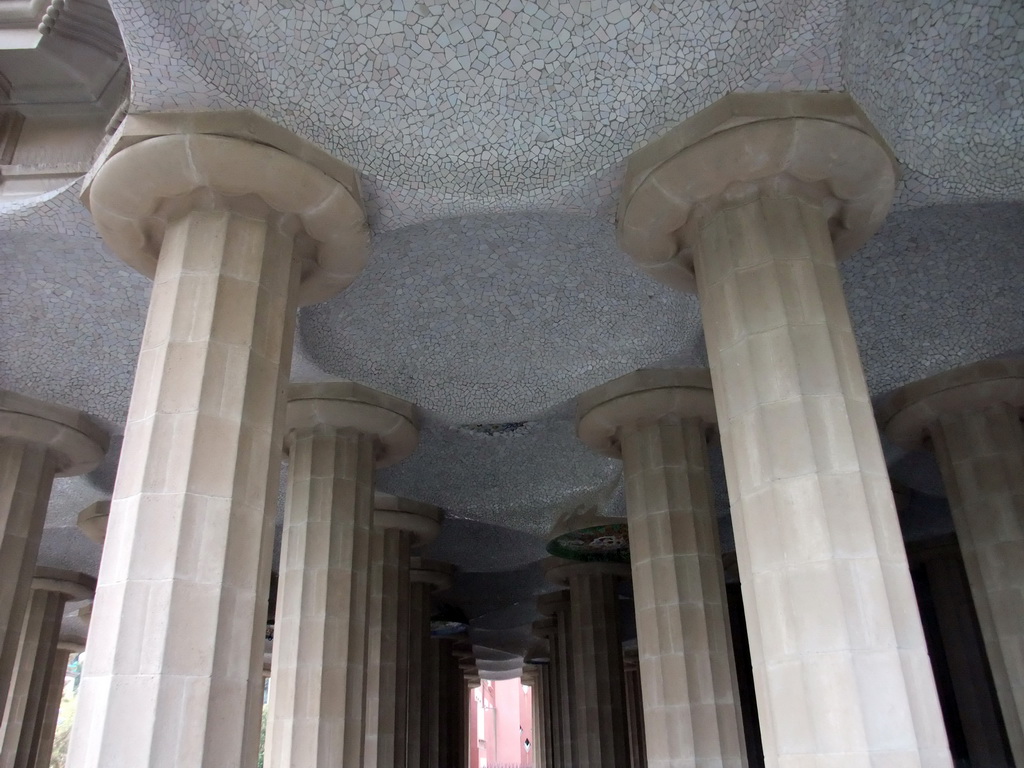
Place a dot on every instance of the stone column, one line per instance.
(92, 521)
(467, 669)
(22, 732)
(38, 441)
(971, 418)
(338, 433)
(598, 676)
(635, 711)
(965, 657)
(530, 678)
(557, 605)
(535, 676)
(236, 232)
(440, 709)
(456, 693)
(751, 203)
(398, 526)
(472, 683)
(657, 422)
(426, 576)
(66, 648)
(546, 629)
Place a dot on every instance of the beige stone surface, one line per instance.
(40, 632)
(753, 200)
(547, 630)
(980, 718)
(75, 441)
(641, 398)
(234, 233)
(189, 535)
(398, 526)
(971, 417)
(743, 145)
(598, 675)
(393, 422)
(533, 676)
(635, 712)
(658, 421)
(148, 180)
(440, 709)
(593, 652)
(51, 707)
(318, 697)
(317, 689)
(23, 732)
(840, 661)
(93, 521)
(426, 576)
(37, 442)
(557, 605)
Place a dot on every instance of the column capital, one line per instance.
(156, 163)
(423, 521)
(439, 575)
(92, 521)
(76, 442)
(547, 627)
(71, 643)
(642, 397)
(345, 404)
(72, 584)
(817, 145)
(558, 571)
(551, 603)
(908, 414)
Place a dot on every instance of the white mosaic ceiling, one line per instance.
(474, 106)
(499, 317)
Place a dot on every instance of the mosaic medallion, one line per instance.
(448, 621)
(600, 543)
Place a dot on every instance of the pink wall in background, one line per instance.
(504, 715)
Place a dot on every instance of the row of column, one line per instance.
(840, 665)
(749, 203)
(39, 442)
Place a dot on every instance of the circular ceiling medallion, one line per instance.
(601, 543)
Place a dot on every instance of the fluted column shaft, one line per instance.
(419, 675)
(235, 234)
(457, 713)
(691, 702)
(26, 478)
(750, 203)
(51, 708)
(387, 678)
(981, 455)
(552, 710)
(315, 718)
(598, 675)
(635, 717)
(965, 656)
(568, 717)
(541, 719)
(23, 715)
(448, 706)
(23, 734)
(546, 629)
(189, 518)
(437, 703)
(38, 441)
(840, 662)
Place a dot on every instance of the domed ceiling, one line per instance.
(491, 139)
